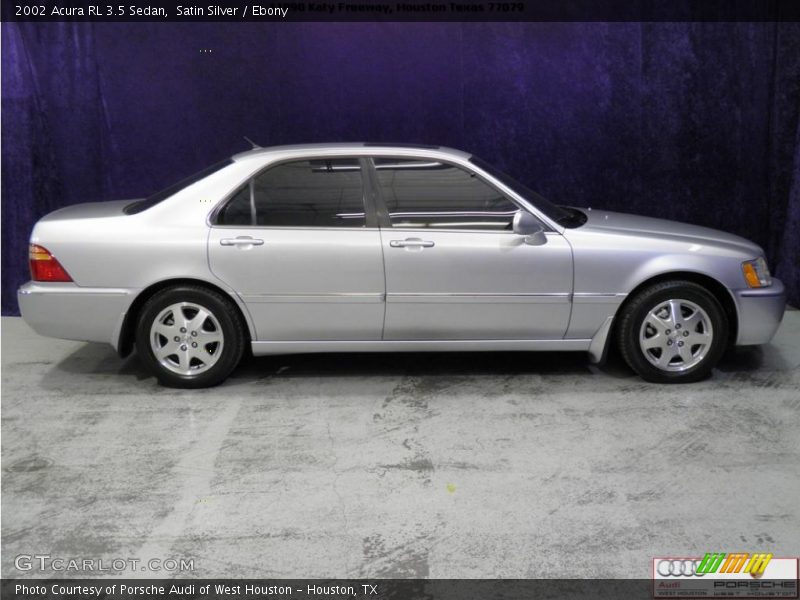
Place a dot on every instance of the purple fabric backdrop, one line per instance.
(689, 121)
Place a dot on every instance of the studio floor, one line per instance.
(397, 465)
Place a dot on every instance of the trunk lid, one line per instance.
(89, 210)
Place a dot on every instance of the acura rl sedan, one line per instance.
(371, 248)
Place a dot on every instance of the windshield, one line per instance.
(151, 201)
(566, 217)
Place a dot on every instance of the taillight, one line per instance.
(44, 266)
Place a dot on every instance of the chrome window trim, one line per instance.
(431, 229)
(275, 157)
(293, 228)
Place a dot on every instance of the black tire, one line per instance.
(221, 332)
(634, 334)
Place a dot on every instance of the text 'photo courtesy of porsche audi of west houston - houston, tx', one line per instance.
(366, 247)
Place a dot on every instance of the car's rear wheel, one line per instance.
(189, 337)
(673, 332)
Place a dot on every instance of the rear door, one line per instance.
(300, 246)
(455, 270)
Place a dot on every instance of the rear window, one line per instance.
(151, 201)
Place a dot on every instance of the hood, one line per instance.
(88, 210)
(623, 223)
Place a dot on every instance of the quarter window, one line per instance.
(238, 209)
(306, 193)
(436, 195)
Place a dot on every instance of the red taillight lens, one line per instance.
(44, 266)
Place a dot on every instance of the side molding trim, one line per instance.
(262, 348)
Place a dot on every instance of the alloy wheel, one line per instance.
(186, 338)
(676, 335)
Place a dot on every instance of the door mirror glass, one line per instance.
(526, 224)
(529, 226)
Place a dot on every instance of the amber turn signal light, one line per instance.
(756, 273)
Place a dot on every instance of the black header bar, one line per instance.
(400, 10)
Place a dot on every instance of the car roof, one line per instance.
(377, 147)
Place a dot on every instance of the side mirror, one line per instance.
(526, 224)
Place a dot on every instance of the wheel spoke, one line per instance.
(657, 341)
(168, 331)
(183, 360)
(675, 315)
(196, 322)
(667, 354)
(178, 317)
(200, 354)
(657, 322)
(685, 352)
(692, 321)
(698, 338)
(166, 350)
(208, 337)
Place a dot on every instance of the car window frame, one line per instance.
(384, 220)
(370, 213)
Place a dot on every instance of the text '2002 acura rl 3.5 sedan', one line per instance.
(374, 247)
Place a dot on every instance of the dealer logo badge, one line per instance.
(725, 575)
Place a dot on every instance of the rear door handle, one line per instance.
(242, 240)
(411, 243)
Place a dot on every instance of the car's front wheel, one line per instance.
(673, 332)
(189, 337)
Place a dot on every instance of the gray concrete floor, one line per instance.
(449, 465)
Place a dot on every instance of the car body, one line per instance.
(371, 247)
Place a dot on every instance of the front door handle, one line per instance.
(242, 240)
(411, 243)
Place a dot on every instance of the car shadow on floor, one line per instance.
(98, 359)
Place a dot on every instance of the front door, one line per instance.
(455, 270)
(298, 246)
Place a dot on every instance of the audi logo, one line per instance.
(679, 568)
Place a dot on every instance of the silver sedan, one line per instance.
(371, 247)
